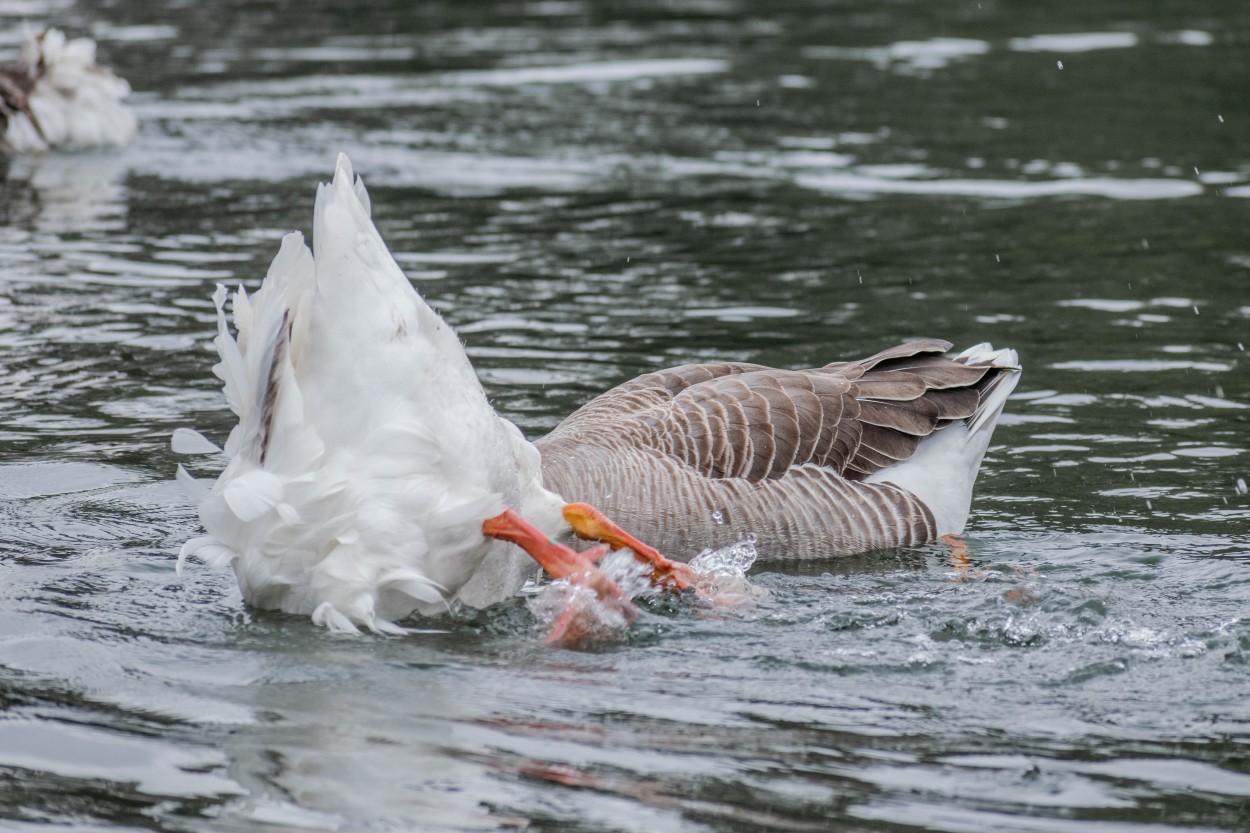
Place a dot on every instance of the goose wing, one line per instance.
(747, 421)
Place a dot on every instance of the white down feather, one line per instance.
(366, 455)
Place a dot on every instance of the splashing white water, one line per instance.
(720, 577)
(596, 619)
(733, 560)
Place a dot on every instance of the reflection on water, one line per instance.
(589, 191)
(65, 193)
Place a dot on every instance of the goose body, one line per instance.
(841, 459)
(366, 457)
(56, 96)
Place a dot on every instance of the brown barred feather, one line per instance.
(780, 453)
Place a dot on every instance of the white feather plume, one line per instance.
(73, 103)
(366, 455)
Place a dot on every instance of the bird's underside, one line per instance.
(702, 455)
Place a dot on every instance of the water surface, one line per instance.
(588, 191)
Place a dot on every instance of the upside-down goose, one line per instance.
(56, 96)
(367, 463)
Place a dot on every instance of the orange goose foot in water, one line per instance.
(592, 525)
(574, 622)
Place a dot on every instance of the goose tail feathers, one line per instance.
(309, 521)
(366, 455)
(944, 467)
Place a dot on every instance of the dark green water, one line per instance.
(591, 190)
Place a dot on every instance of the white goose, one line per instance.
(55, 96)
(367, 458)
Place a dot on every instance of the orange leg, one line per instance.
(561, 562)
(592, 525)
(958, 551)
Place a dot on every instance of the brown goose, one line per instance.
(367, 461)
(841, 459)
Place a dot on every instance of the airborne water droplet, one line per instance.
(718, 517)
(1241, 486)
(1060, 64)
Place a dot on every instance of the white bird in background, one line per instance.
(367, 463)
(55, 96)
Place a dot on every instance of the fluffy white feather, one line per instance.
(366, 455)
(69, 101)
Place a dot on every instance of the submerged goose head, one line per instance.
(56, 96)
(369, 477)
(366, 456)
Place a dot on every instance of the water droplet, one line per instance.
(1150, 506)
(1145, 244)
(1241, 486)
(1241, 347)
(1195, 309)
(997, 259)
(1221, 118)
(1060, 64)
(718, 517)
(1219, 391)
(1196, 173)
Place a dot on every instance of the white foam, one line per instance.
(1075, 42)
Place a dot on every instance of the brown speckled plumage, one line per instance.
(15, 86)
(700, 455)
(17, 80)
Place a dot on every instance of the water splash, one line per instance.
(721, 575)
(596, 620)
(733, 560)
(720, 578)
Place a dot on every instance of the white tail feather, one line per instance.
(944, 467)
(366, 455)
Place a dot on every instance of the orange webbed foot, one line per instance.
(577, 619)
(592, 525)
